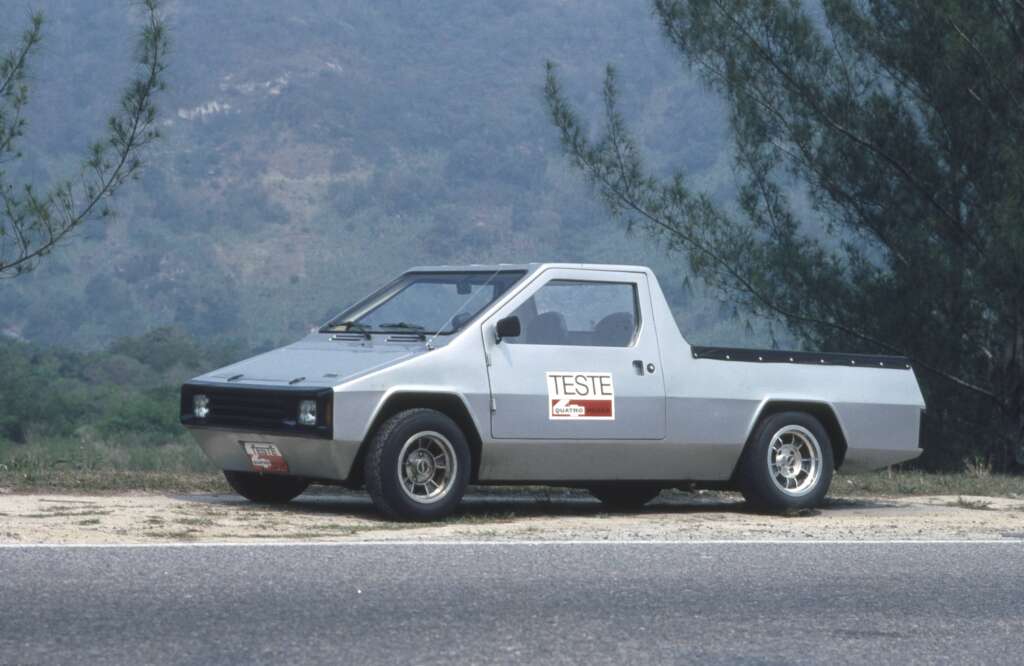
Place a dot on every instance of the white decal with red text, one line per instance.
(265, 458)
(580, 395)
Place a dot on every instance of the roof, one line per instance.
(531, 267)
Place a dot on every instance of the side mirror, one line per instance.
(509, 327)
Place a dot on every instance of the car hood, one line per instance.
(313, 361)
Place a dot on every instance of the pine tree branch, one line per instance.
(40, 224)
(617, 182)
(12, 91)
(809, 98)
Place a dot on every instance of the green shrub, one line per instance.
(129, 392)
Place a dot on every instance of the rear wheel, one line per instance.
(788, 465)
(417, 466)
(266, 488)
(625, 496)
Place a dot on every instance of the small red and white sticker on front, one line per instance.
(265, 458)
(580, 396)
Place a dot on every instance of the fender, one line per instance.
(404, 391)
(447, 400)
(824, 410)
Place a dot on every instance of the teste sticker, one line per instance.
(580, 395)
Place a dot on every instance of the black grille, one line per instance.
(257, 409)
(250, 405)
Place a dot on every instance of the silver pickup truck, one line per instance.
(561, 374)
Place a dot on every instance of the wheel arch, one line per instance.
(451, 404)
(823, 411)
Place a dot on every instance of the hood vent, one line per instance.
(348, 337)
(404, 337)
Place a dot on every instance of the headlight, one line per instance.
(307, 412)
(200, 406)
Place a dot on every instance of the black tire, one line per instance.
(625, 496)
(266, 488)
(384, 480)
(754, 474)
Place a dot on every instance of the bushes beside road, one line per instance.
(128, 391)
(67, 414)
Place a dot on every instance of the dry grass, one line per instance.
(914, 482)
(878, 484)
(85, 466)
(90, 481)
(977, 505)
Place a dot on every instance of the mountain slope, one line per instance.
(313, 150)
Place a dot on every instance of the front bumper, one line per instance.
(313, 458)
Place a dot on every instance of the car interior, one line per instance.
(550, 328)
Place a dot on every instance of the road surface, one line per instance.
(434, 603)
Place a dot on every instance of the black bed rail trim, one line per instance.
(805, 358)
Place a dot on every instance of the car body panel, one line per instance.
(687, 421)
(321, 459)
(518, 372)
(315, 361)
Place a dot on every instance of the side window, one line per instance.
(578, 313)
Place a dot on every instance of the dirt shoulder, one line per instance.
(154, 518)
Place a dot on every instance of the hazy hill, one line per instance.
(314, 149)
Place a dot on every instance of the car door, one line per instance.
(586, 364)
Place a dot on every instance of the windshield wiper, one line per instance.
(352, 326)
(402, 325)
(405, 326)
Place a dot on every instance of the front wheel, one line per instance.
(266, 488)
(417, 466)
(788, 465)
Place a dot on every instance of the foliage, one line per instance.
(311, 151)
(895, 482)
(88, 465)
(880, 166)
(128, 394)
(33, 222)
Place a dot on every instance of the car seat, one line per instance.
(614, 330)
(547, 328)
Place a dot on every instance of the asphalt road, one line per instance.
(465, 603)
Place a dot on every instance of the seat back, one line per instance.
(614, 330)
(547, 328)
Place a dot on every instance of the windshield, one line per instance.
(425, 303)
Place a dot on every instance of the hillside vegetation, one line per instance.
(68, 414)
(313, 150)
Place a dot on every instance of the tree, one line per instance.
(880, 187)
(34, 220)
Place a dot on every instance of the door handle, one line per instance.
(638, 365)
